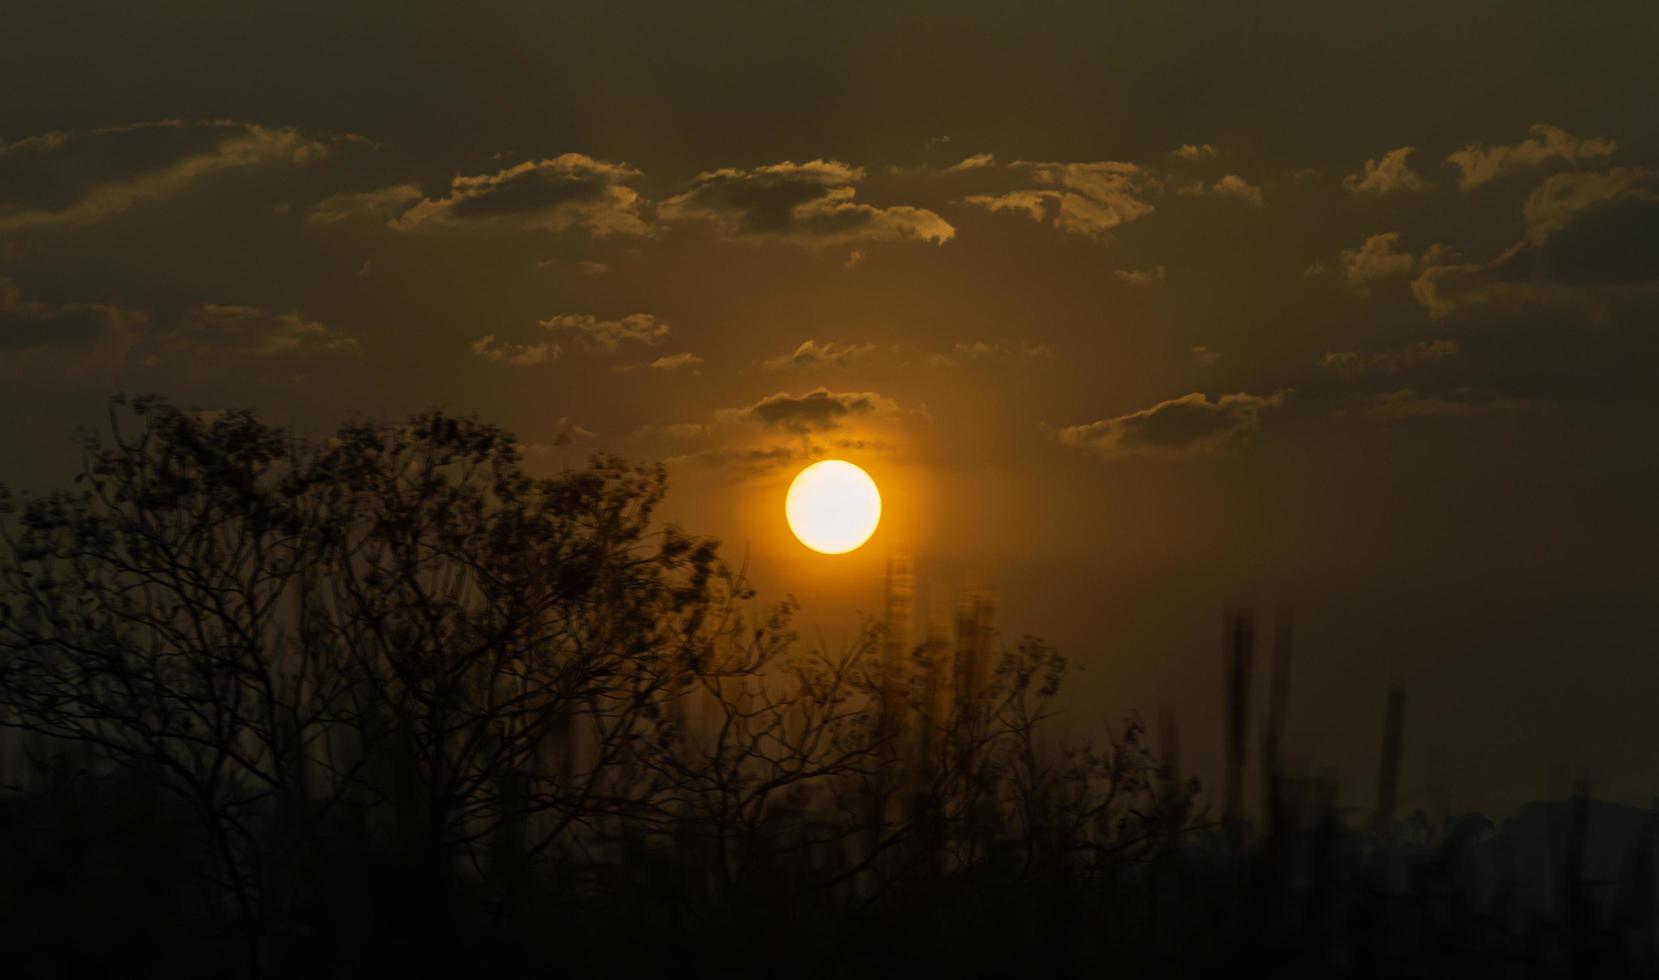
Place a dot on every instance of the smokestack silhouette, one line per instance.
(1278, 708)
(985, 630)
(895, 654)
(937, 684)
(1169, 750)
(974, 663)
(1388, 770)
(1239, 642)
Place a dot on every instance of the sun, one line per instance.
(833, 506)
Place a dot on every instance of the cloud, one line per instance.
(1355, 363)
(592, 333)
(563, 192)
(1141, 277)
(815, 411)
(232, 332)
(1232, 185)
(1384, 176)
(812, 354)
(1408, 403)
(78, 177)
(514, 355)
(769, 458)
(1478, 164)
(672, 431)
(1205, 356)
(1585, 232)
(381, 204)
(1447, 283)
(749, 460)
(673, 363)
(1181, 428)
(609, 335)
(586, 268)
(72, 337)
(1087, 199)
(1559, 200)
(805, 203)
(978, 161)
(1190, 151)
(980, 350)
(1378, 258)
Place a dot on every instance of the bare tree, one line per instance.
(398, 645)
(149, 615)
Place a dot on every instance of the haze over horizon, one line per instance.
(1146, 310)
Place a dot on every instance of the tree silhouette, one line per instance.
(399, 700)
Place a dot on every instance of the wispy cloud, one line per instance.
(380, 204)
(1609, 211)
(672, 431)
(814, 411)
(77, 177)
(813, 203)
(1180, 428)
(1386, 175)
(1141, 277)
(1354, 363)
(676, 363)
(1560, 199)
(978, 161)
(572, 191)
(1232, 185)
(508, 354)
(980, 350)
(1378, 258)
(1478, 164)
(1087, 199)
(76, 338)
(228, 331)
(1408, 403)
(811, 354)
(608, 335)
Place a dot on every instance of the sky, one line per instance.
(1138, 311)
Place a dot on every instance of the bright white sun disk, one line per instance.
(833, 506)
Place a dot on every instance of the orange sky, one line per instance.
(1141, 310)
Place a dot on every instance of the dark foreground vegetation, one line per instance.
(386, 704)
